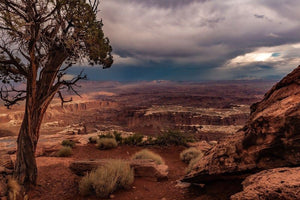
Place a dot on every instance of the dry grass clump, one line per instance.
(65, 151)
(116, 174)
(14, 189)
(190, 154)
(147, 154)
(106, 143)
(193, 162)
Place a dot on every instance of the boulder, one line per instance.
(279, 183)
(202, 145)
(44, 149)
(270, 138)
(142, 168)
(80, 168)
(149, 169)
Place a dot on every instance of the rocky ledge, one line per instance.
(270, 138)
(280, 183)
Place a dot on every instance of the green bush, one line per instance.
(106, 143)
(118, 137)
(64, 152)
(68, 143)
(190, 154)
(173, 138)
(116, 174)
(193, 162)
(107, 135)
(135, 139)
(93, 139)
(147, 154)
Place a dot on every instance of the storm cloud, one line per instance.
(208, 34)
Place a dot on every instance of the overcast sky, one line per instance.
(198, 40)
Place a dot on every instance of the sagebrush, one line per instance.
(190, 154)
(106, 143)
(116, 174)
(68, 143)
(147, 154)
(65, 151)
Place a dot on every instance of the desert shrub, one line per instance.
(135, 139)
(14, 189)
(93, 139)
(114, 175)
(68, 143)
(173, 138)
(118, 137)
(64, 152)
(193, 162)
(147, 154)
(190, 154)
(106, 143)
(107, 135)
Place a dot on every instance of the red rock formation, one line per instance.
(271, 138)
(280, 183)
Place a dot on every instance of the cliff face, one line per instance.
(270, 138)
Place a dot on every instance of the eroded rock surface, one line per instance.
(280, 183)
(270, 139)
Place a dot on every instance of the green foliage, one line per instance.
(106, 143)
(118, 137)
(190, 154)
(135, 139)
(116, 174)
(64, 152)
(68, 143)
(107, 135)
(193, 163)
(147, 154)
(93, 139)
(173, 138)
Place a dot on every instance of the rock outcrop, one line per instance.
(270, 138)
(280, 183)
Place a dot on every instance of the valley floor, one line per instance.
(56, 181)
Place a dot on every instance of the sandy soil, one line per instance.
(56, 181)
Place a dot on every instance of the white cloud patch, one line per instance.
(282, 58)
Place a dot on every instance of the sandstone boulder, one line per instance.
(270, 139)
(142, 168)
(44, 149)
(80, 168)
(149, 169)
(279, 183)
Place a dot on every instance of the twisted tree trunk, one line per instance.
(26, 168)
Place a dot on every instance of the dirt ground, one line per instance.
(56, 181)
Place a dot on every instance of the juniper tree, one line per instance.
(39, 41)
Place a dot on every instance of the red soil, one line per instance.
(56, 181)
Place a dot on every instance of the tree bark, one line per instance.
(26, 168)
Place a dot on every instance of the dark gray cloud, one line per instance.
(203, 33)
